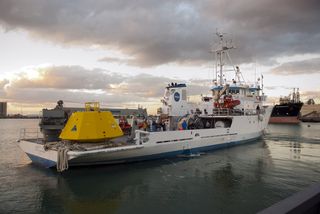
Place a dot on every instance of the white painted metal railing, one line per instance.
(30, 133)
(234, 112)
(141, 137)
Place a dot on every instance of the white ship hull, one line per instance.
(155, 145)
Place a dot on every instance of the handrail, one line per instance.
(141, 137)
(26, 133)
(92, 106)
(233, 112)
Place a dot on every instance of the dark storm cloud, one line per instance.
(157, 32)
(309, 66)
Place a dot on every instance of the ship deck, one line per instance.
(82, 146)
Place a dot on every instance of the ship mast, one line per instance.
(222, 53)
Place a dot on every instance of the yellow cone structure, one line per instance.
(91, 125)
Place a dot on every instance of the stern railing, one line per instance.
(30, 133)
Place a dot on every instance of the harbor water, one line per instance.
(241, 179)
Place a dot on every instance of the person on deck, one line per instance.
(258, 109)
(184, 125)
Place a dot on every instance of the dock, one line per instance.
(306, 201)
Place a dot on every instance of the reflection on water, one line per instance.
(245, 178)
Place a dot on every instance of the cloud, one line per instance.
(276, 87)
(315, 95)
(39, 96)
(75, 84)
(115, 60)
(271, 87)
(151, 86)
(155, 32)
(66, 77)
(304, 96)
(3, 83)
(271, 100)
(144, 85)
(309, 66)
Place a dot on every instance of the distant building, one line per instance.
(3, 109)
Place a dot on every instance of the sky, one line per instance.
(122, 53)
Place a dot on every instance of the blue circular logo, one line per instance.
(176, 96)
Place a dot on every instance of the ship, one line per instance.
(233, 114)
(288, 109)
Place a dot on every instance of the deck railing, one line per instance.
(236, 112)
(141, 137)
(30, 133)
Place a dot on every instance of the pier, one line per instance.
(306, 201)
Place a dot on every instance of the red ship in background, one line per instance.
(288, 111)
